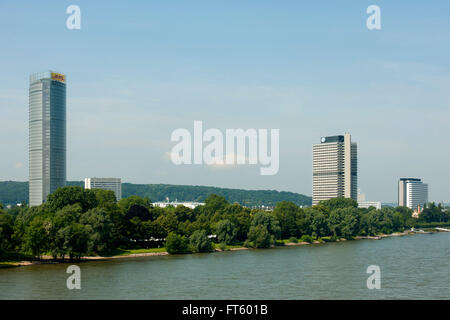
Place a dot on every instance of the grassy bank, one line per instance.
(8, 264)
(127, 252)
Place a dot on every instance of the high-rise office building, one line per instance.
(113, 184)
(412, 193)
(335, 168)
(47, 135)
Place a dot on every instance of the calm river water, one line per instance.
(412, 267)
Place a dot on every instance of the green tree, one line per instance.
(75, 238)
(339, 203)
(135, 210)
(259, 236)
(137, 230)
(303, 221)
(186, 228)
(213, 204)
(407, 220)
(57, 221)
(398, 221)
(6, 232)
(344, 222)
(335, 222)
(433, 213)
(350, 222)
(168, 222)
(98, 226)
(105, 198)
(241, 221)
(371, 222)
(176, 243)
(199, 242)
(226, 231)
(139, 211)
(126, 203)
(202, 223)
(155, 230)
(385, 223)
(35, 237)
(184, 213)
(268, 220)
(118, 227)
(319, 224)
(71, 195)
(287, 213)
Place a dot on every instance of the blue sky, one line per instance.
(136, 72)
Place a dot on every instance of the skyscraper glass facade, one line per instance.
(335, 169)
(47, 135)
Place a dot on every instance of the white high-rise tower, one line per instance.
(335, 170)
(412, 193)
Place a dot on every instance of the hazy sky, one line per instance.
(135, 73)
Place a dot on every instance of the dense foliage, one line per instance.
(12, 192)
(74, 222)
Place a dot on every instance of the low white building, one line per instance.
(368, 204)
(191, 205)
(362, 203)
(113, 184)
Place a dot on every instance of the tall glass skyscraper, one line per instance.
(335, 169)
(47, 135)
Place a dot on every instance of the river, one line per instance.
(412, 267)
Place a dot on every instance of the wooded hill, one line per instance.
(12, 192)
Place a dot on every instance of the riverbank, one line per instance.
(161, 251)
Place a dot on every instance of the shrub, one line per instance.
(279, 243)
(329, 239)
(293, 240)
(222, 246)
(306, 238)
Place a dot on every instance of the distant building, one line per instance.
(361, 196)
(113, 184)
(368, 204)
(412, 193)
(47, 135)
(335, 169)
(165, 204)
(362, 203)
